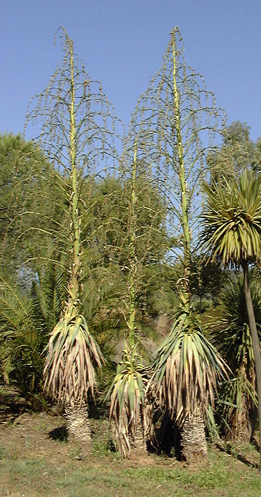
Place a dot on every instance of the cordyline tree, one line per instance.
(231, 334)
(172, 122)
(231, 222)
(77, 136)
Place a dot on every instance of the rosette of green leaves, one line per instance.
(128, 398)
(231, 219)
(186, 368)
(72, 356)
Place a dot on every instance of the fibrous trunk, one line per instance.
(126, 442)
(242, 422)
(193, 437)
(78, 422)
(138, 441)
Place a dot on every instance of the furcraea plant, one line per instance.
(173, 120)
(130, 412)
(129, 409)
(77, 135)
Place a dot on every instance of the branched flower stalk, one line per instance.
(129, 411)
(77, 135)
(133, 257)
(182, 178)
(173, 121)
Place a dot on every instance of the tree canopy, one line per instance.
(236, 153)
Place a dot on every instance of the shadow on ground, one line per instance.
(60, 434)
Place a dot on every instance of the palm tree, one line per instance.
(231, 335)
(231, 223)
(25, 323)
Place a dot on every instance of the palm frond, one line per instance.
(49, 293)
(229, 329)
(22, 339)
(15, 308)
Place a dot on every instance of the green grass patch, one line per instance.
(34, 465)
(82, 478)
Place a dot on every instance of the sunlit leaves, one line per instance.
(127, 394)
(231, 219)
(71, 359)
(231, 335)
(187, 368)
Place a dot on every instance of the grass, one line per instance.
(34, 464)
(33, 478)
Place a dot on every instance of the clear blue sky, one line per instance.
(122, 43)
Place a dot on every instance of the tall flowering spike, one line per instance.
(128, 407)
(77, 134)
(174, 124)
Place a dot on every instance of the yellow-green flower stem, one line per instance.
(131, 320)
(182, 178)
(75, 233)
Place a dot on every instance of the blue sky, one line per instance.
(122, 43)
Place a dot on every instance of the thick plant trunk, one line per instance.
(242, 420)
(256, 346)
(138, 442)
(252, 422)
(241, 429)
(193, 437)
(78, 423)
(129, 442)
